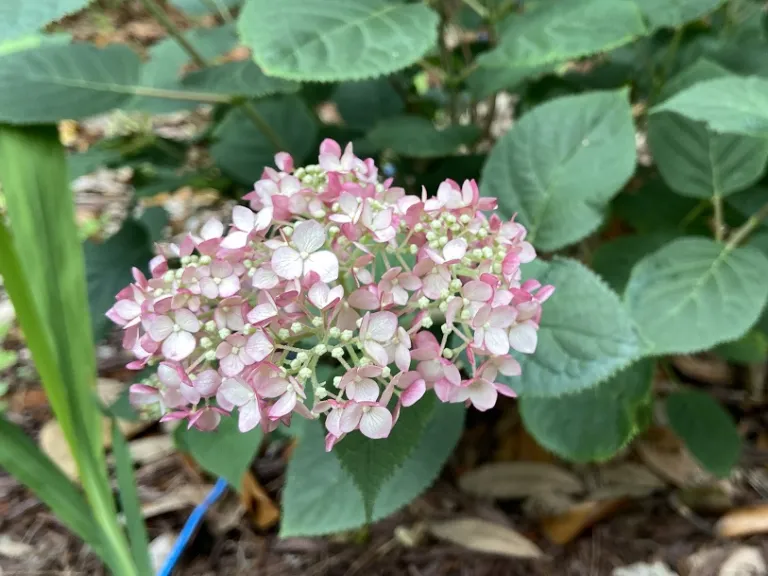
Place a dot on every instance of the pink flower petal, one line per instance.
(413, 393)
(160, 327)
(229, 286)
(265, 279)
(455, 249)
(207, 383)
(284, 405)
(350, 417)
(482, 394)
(235, 240)
(363, 299)
(187, 320)
(235, 391)
(259, 346)
(250, 416)
(243, 218)
(477, 290)
(365, 390)
(382, 326)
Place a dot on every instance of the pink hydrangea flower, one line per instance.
(240, 319)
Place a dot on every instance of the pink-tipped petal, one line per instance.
(287, 263)
(523, 338)
(324, 263)
(179, 345)
(376, 422)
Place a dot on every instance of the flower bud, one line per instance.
(334, 332)
(302, 357)
(465, 219)
(423, 302)
(337, 352)
(418, 228)
(487, 252)
(205, 260)
(305, 373)
(224, 332)
(320, 349)
(297, 327)
(321, 393)
(206, 342)
(317, 321)
(295, 364)
(346, 336)
(210, 326)
(210, 355)
(426, 322)
(482, 233)
(288, 231)
(455, 284)
(448, 353)
(386, 372)
(337, 381)
(283, 334)
(413, 249)
(445, 329)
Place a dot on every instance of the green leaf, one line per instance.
(20, 17)
(363, 104)
(694, 293)
(733, 104)
(8, 358)
(203, 7)
(33, 41)
(749, 201)
(24, 460)
(614, 260)
(640, 209)
(708, 431)
(225, 452)
(561, 163)
(49, 284)
(674, 13)
(241, 78)
(84, 163)
(130, 502)
(485, 80)
(320, 497)
(554, 32)
(108, 267)
(70, 81)
(242, 150)
(752, 348)
(155, 220)
(695, 161)
(593, 424)
(371, 462)
(585, 335)
(333, 40)
(417, 137)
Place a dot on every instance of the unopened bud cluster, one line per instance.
(331, 265)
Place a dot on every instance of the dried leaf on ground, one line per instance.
(511, 480)
(643, 569)
(178, 499)
(7, 313)
(11, 548)
(626, 479)
(483, 536)
(712, 498)
(563, 528)
(547, 504)
(703, 369)
(665, 455)
(151, 449)
(745, 560)
(159, 549)
(263, 510)
(743, 522)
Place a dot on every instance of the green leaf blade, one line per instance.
(334, 40)
(585, 335)
(18, 18)
(555, 32)
(417, 137)
(674, 13)
(735, 105)
(708, 431)
(694, 294)
(593, 424)
(320, 497)
(560, 165)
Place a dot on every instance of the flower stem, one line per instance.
(202, 62)
(717, 202)
(752, 222)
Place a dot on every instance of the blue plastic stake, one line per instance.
(191, 526)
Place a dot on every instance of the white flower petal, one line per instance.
(365, 390)
(350, 418)
(523, 338)
(477, 290)
(455, 249)
(382, 326)
(483, 395)
(284, 405)
(496, 341)
(287, 263)
(376, 422)
(179, 345)
(160, 328)
(235, 240)
(250, 416)
(187, 320)
(229, 286)
(265, 279)
(324, 263)
(212, 229)
(308, 236)
(234, 391)
(243, 218)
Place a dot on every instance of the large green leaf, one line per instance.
(320, 497)
(331, 40)
(708, 431)
(225, 452)
(48, 290)
(585, 335)
(614, 260)
(242, 78)
(557, 31)
(593, 424)
(749, 201)
(485, 81)
(732, 104)
(673, 13)
(33, 41)
(561, 163)
(242, 150)
(363, 104)
(370, 463)
(22, 458)
(694, 293)
(696, 161)
(417, 137)
(21, 17)
(108, 267)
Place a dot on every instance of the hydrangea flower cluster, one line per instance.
(332, 265)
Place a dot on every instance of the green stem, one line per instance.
(201, 61)
(717, 202)
(478, 8)
(173, 31)
(741, 233)
(669, 61)
(445, 62)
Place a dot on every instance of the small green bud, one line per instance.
(423, 302)
(347, 335)
(288, 231)
(321, 393)
(386, 372)
(334, 332)
(455, 284)
(210, 326)
(320, 349)
(317, 321)
(283, 334)
(413, 249)
(210, 355)
(224, 332)
(448, 353)
(297, 327)
(419, 227)
(305, 373)
(302, 357)
(337, 352)
(206, 342)
(427, 322)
